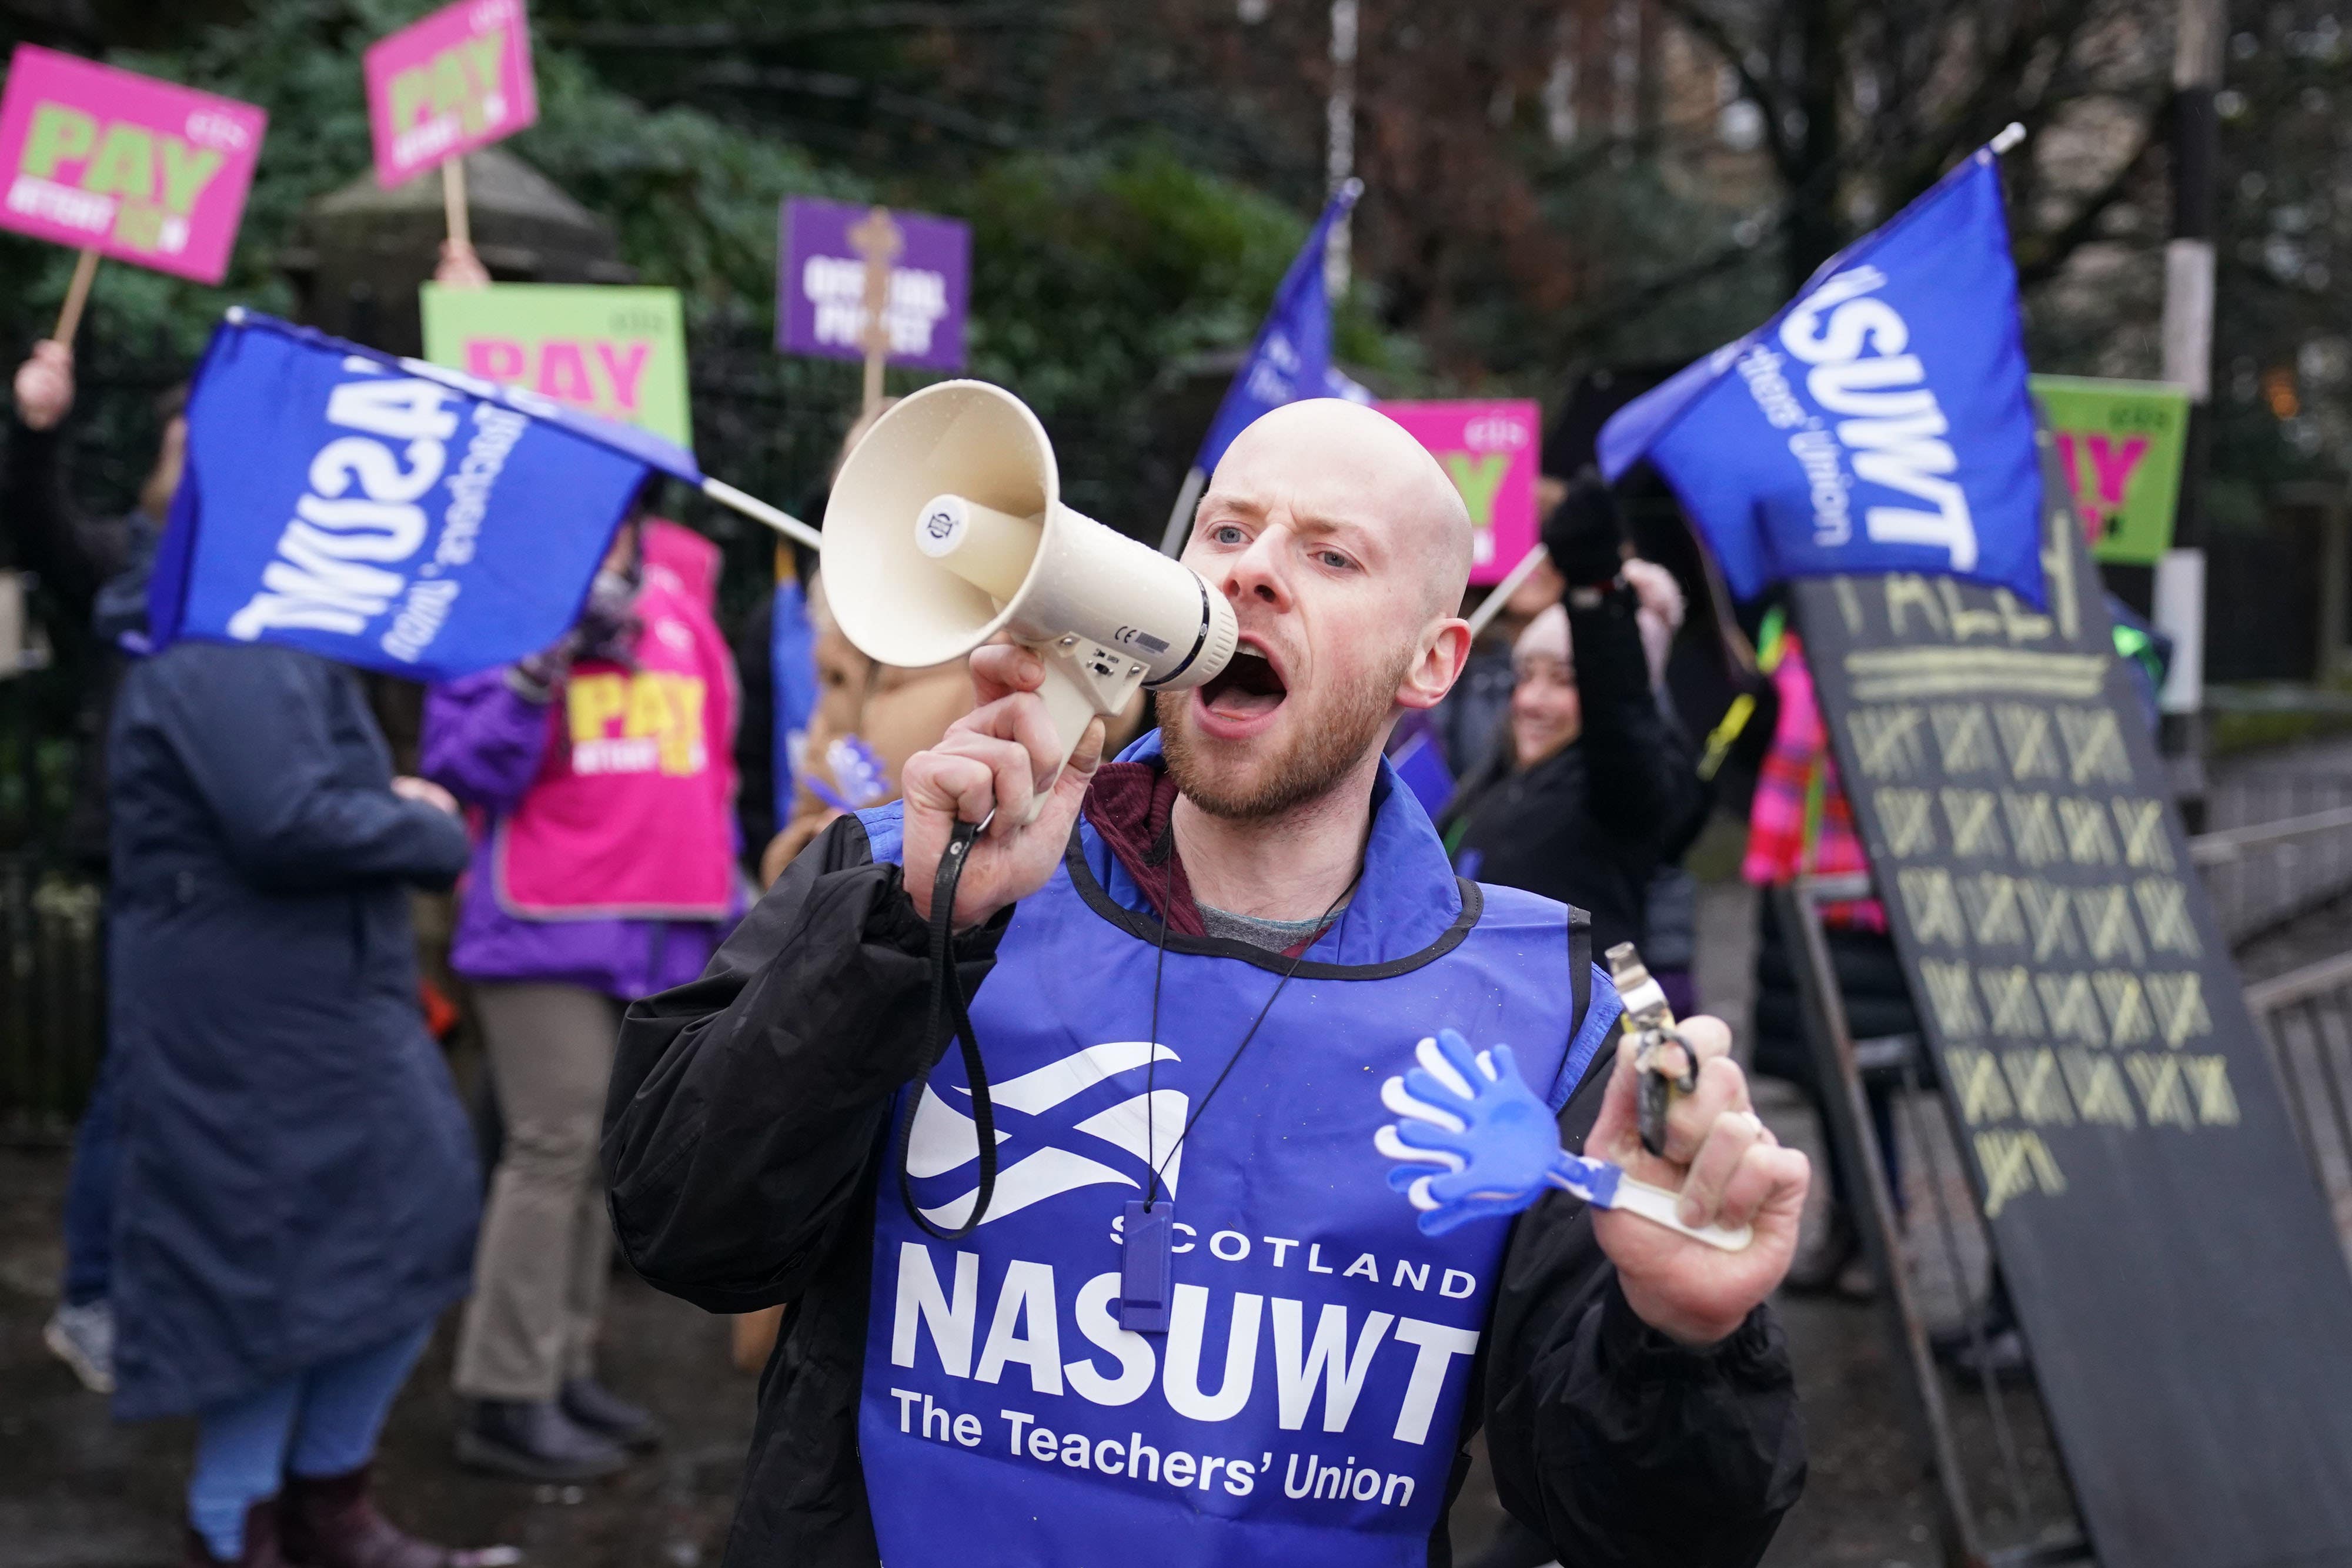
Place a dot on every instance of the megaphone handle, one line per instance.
(1083, 681)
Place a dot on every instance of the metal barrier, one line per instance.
(2307, 1017)
(2288, 852)
(2001, 1497)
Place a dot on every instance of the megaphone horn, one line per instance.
(946, 527)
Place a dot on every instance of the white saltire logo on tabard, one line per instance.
(1143, 1127)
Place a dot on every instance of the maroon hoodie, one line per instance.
(1130, 804)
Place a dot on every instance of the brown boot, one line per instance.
(260, 1541)
(329, 1522)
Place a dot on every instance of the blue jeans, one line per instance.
(90, 1190)
(321, 1422)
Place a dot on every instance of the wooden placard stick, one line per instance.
(77, 296)
(452, 204)
(1492, 605)
(878, 239)
(460, 267)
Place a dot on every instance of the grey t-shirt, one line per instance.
(1274, 935)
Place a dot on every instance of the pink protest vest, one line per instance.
(631, 816)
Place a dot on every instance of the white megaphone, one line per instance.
(946, 527)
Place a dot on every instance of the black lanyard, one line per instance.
(947, 1000)
(1150, 1077)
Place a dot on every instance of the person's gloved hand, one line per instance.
(607, 629)
(1473, 1138)
(608, 625)
(1585, 534)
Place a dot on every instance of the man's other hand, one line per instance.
(994, 759)
(45, 385)
(1730, 1171)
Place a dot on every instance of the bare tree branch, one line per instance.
(1997, 98)
(1715, 34)
(1639, 300)
(2041, 256)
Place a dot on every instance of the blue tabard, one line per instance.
(1303, 1406)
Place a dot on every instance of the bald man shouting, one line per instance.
(1192, 1327)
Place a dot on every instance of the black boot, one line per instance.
(534, 1441)
(330, 1522)
(260, 1541)
(592, 1405)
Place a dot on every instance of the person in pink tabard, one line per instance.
(600, 784)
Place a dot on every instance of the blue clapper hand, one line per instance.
(1473, 1140)
(860, 771)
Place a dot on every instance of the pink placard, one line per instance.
(440, 88)
(1490, 448)
(141, 170)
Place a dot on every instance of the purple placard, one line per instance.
(821, 285)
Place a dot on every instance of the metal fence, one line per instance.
(2280, 844)
(52, 998)
(2308, 1016)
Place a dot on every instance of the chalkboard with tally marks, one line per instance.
(2175, 1270)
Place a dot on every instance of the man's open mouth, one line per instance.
(1247, 686)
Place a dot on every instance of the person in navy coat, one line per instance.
(298, 1191)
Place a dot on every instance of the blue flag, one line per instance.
(793, 676)
(1290, 359)
(384, 512)
(1292, 356)
(1879, 423)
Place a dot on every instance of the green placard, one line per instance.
(2119, 444)
(619, 352)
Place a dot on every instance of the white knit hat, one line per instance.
(1546, 637)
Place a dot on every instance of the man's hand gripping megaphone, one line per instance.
(991, 764)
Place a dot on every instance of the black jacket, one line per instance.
(1589, 824)
(745, 1138)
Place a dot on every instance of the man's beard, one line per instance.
(1320, 754)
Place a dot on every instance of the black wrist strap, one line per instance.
(947, 1016)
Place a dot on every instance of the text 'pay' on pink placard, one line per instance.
(141, 170)
(440, 88)
(1491, 449)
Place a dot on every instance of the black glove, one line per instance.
(608, 625)
(1585, 533)
(607, 629)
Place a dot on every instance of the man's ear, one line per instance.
(1445, 649)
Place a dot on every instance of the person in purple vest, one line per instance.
(599, 779)
(1121, 1279)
